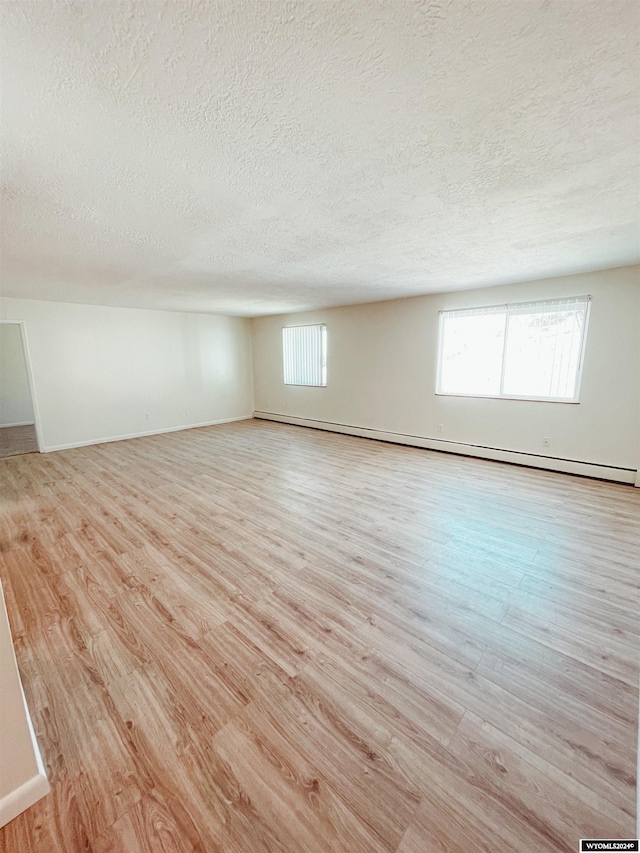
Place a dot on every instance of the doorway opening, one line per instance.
(19, 428)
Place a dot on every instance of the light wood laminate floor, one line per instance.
(255, 637)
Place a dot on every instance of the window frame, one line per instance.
(575, 400)
(323, 366)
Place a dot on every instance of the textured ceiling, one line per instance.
(256, 157)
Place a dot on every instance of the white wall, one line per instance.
(15, 396)
(98, 372)
(382, 369)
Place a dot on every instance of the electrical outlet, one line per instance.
(147, 416)
(440, 427)
(186, 411)
(546, 441)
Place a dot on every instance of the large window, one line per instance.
(530, 351)
(304, 355)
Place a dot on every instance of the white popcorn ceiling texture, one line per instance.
(256, 157)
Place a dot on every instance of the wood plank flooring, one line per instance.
(256, 637)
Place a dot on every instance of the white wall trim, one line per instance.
(142, 434)
(566, 466)
(14, 707)
(18, 423)
(23, 797)
(33, 789)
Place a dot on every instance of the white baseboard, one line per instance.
(23, 798)
(24, 758)
(549, 463)
(17, 423)
(91, 441)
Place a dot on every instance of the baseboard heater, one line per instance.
(515, 457)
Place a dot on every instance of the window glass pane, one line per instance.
(471, 354)
(543, 350)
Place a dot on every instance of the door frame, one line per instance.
(32, 388)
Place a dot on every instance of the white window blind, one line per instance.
(304, 355)
(529, 350)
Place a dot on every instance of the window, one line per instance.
(528, 351)
(304, 355)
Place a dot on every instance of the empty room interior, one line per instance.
(319, 426)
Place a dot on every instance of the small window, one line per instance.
(526, 351)
(304, 355)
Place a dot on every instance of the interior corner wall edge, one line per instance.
(382, 360)
(98, 372)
